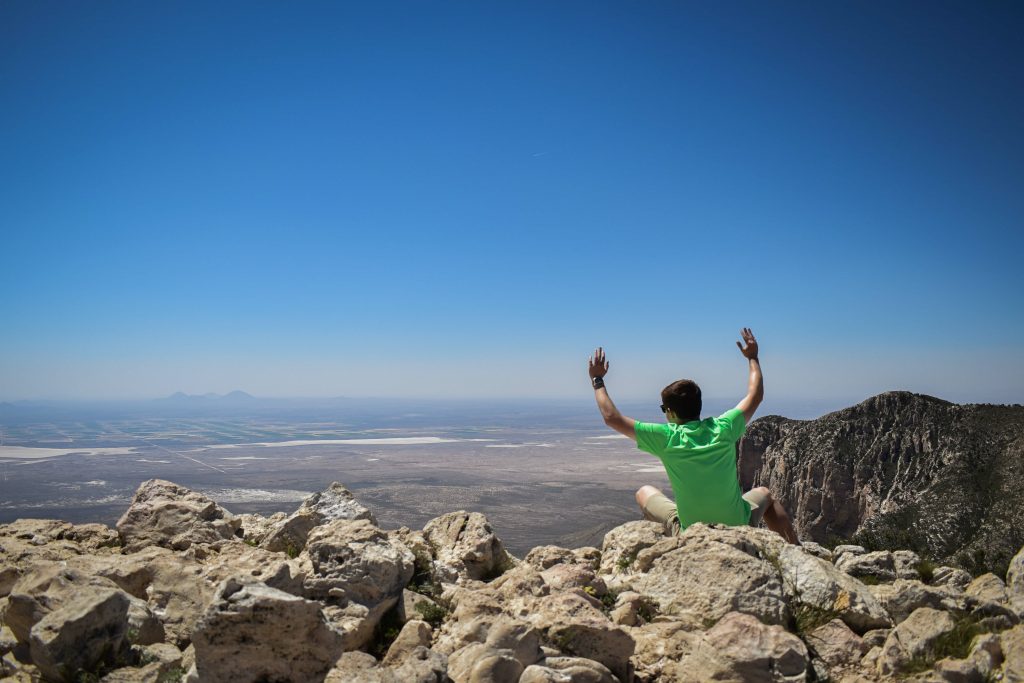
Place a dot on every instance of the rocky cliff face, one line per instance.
(900, 470)
(183, 590)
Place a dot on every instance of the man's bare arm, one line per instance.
(755, 388)
(598, 368)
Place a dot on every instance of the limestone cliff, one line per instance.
(900, 470)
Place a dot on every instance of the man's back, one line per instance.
(700, 459)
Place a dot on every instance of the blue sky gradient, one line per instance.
(463, 199)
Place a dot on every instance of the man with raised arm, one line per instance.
(699, 455)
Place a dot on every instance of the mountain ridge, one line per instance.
(899, 469)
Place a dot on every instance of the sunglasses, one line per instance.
(664, 408)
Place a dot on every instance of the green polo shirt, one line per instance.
(700, 459)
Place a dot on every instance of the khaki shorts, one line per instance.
(660, 508)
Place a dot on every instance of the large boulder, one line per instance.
(835, 644)
(353, 560)
(877, 566)
(989, 588)
(166, 514)
(743, 580)
(567, 670)
(252, 632)
(86, 630)
(913, 640)
(358, 572)
(741, 648)
(623, 543)
(1012, 645)
(574, 626)
(27, 542)
(814, 585)
(335, 502)
(465, 544)
(70, 621)
(903, 596)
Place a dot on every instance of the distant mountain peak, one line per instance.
(236, 395)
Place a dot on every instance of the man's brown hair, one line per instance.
(683, 398)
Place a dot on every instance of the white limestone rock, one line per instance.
(166, 514)
(911, 639)
(334, 503)
(622, 544)
(678, 582)
(465, 545)
(817, 584)
(252, 632)
(742, 648)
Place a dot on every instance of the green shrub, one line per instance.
(432, 613)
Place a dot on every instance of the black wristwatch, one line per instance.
(598, 382)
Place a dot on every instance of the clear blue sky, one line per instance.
(463, 199)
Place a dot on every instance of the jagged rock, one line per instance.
(414, 633)
(836, 644)
(490, 648)
(950, 577)
(840, 550)
(144, 628)
(660, 644)
(178, 594)
(358, 572)
(574, 626)
(163, 660)
(544, 556)
(479, 663)
(334, 503)
(354, 560)
(740, 648)
(622, 544)
(132, 573)
(499, 631)
(988, 587)
(27, 542)
(1015, 581)
(817, 585)
(568, 576)
(744, 582)
(8, 641)
(589, 556)
(987, 654)
(417, 544)
(913, 638)
(876, 636)
(465, 543)
(903, 596)
(878, 565)
(817, 550)
(165, 514)
(45, 588)
(567, 670)
(87, 628)
(254, 528)
(252, 632)
(359, 667)
(646, 558)
(240, 559)
(906, 562)
(1012, 647)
